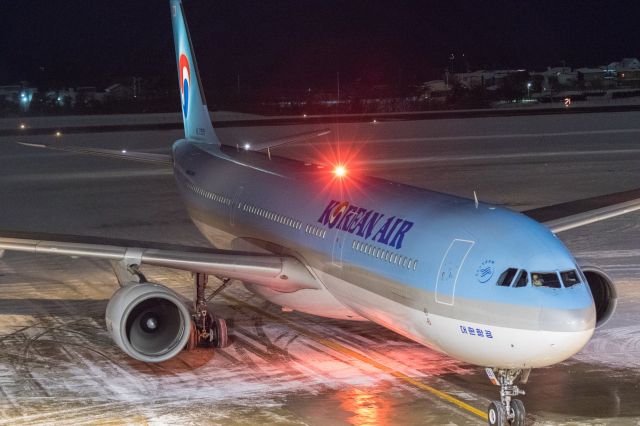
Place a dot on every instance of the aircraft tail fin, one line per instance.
(195, 114)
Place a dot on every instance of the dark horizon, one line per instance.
(301, 44)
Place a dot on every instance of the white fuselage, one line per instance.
(476, 322)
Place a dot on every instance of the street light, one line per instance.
(528, 90)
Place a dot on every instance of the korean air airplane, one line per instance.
(480, 283)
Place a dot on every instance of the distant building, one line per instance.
(61, 97)
(626, 72)
(18, 94)
(435, 90)
(556, 77)
(625, 64)
(629, 77)
(591, 77)
(483, 78)
(10, 93)
(118, 92)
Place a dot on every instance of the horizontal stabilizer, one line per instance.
(298, 137)
(141, 157)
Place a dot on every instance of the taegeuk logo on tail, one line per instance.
(185, 80)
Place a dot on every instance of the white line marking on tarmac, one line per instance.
(116, 174)
(513, 156)
(512, 135)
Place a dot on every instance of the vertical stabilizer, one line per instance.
(197, 123)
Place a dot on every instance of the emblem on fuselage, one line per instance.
(485, 271)
(365, 223)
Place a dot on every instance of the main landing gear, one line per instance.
(508, 411)
(207, 330)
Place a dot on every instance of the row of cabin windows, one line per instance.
(314, 230)
(538, 279)
(267, 214)
(210, 195)
(385, 255)
(285, 220)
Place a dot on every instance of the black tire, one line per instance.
(222, 338)
(518, 412)
(192, 343)
(496, 414)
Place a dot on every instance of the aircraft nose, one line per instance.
(567, 320)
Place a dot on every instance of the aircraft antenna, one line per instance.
(475, 198)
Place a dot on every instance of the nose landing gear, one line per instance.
(508, 411)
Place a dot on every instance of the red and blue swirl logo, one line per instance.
(185, 80)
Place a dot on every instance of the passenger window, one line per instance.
(569, 278)
(507, 276)
(545, 279)
(522, 280)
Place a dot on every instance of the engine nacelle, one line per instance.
(604, 293)
(148, 321)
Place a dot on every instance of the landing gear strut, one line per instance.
(207, 330)
(507, 411)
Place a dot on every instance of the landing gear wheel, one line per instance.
(207, 331)
(517, 408)
(496, 414)
(221, 339)
(207, 336)
(192, 343)
(509, 410)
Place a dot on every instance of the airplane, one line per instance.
(480, 283)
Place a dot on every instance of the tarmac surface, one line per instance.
(58, 363)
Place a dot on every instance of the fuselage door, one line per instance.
(450, 269)
(338, 246)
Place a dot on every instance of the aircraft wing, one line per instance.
(280, 273)
(141, 157)
(573, 214)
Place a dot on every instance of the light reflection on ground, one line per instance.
(369, 406)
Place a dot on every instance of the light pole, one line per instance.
(529, 90)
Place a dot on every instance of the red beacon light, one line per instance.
(340, 171)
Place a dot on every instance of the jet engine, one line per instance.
(148, 321)
(604, 293)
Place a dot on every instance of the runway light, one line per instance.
(58, 134)
(304, 115)
(375, 121)
(340, 171)
(124, 151)
(247, 146)
(23, 126)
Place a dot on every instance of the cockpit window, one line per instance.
(570, 278)
(545, 279)
(522, 280)
(507, 276)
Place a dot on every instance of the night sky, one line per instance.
(286, 43)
